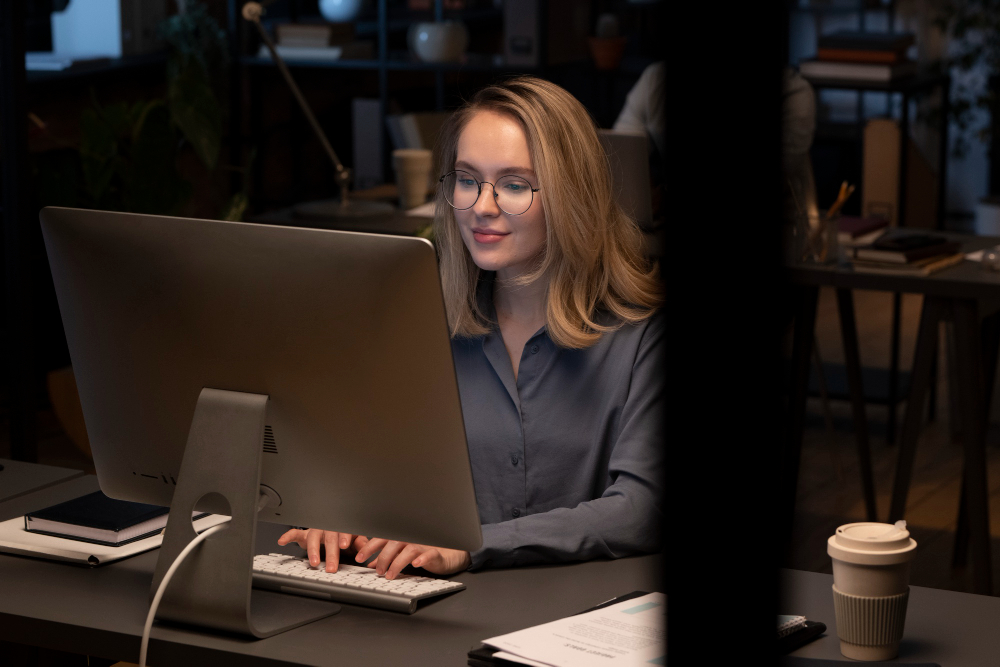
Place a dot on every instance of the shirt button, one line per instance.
(515, 512)
(534, 349)
(514, 459)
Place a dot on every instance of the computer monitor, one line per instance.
(216, 360)
(628, 157)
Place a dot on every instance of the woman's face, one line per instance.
(493, 145)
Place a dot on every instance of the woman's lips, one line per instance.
(487, 235)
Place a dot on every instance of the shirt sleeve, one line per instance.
(627, 518)
(644, 109)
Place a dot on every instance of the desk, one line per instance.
(18, 478)
(971, 298)
(100, 611)
(945, 627)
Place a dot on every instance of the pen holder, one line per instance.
(816, 238)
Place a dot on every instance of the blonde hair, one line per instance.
(593, 258)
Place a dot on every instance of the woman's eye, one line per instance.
(514, 187)
(468, 183)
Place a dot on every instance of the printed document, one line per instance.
(628, 633)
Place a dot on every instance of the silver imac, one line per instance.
(296, 376)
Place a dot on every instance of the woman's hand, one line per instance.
(394, 556)
(311, 539)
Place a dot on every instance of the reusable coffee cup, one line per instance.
(413, 171)
(871, 574)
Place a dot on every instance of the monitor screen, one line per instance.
(345, 333)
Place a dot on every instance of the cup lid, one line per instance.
(871, 543)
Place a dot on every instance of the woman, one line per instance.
(550, 302)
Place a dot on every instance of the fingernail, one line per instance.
(359, 558)
(390, 575)
(418, 563)
(344, 543)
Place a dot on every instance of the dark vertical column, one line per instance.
(235, 115)
(383, 87)
(923, 359)
(18, 347)
(971, 392)
(728, 321)
(893, 393)
(942, 200)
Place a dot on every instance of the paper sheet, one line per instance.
(628, 633)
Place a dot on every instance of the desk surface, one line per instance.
(100, 611)
(945, 627)
(18, 478)
(967, 280)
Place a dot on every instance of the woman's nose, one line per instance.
(487, 203)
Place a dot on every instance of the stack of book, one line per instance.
(904, 252)
(318, 41)
(853, 231)
(861, 56)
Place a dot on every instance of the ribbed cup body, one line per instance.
(870, 628)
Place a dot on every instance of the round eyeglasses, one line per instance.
(512, 194)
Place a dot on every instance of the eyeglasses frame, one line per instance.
(479, 194)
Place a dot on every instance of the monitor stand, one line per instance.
(212, 587)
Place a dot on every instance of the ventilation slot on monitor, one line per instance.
(269, 446)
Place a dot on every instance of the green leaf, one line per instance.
(236, 208)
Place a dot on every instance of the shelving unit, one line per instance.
(906, 89)
(384, 24)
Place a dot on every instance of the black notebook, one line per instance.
(98, 519)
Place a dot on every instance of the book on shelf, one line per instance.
(861, 56)
(856, 230)
(101, 520)
(314, 34)
(921, 267)
(857, 71)
(353, 51)
(867, 41)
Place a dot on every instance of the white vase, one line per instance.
(340, 11)
(438, 42)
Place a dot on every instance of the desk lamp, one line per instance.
(328, 208)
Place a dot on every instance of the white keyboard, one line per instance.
(352, 584)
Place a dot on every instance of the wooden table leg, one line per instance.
(852, 359)
(920, 376)
(802, 343)
(893, 398)
(971, 390)
(991, 350)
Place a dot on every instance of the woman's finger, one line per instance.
(388, 554)
(371, 547)
(296, 535)
(332, 542)
(405, 557)
(359, 542)
(313, 539)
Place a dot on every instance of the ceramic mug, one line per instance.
(438, 42)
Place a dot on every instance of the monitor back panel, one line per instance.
(345, 332)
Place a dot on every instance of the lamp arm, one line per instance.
(252, 12)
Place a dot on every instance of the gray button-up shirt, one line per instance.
(567, 458)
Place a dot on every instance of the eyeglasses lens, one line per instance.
(513, 193)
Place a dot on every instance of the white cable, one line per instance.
(163, 586)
